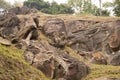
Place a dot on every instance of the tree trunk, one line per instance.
(100, 10)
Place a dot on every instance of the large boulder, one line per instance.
(9, 25)
(86, 35)
(114, 59)
(15, 29)
(54, 63)
(114, 41)
(56, 30)
(27, 25)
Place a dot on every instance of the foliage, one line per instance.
(50, 8)
(17, 3)
(117, 7)
(108, 4)
(103, 12)
(86, 6)
(5, 5)
(81, 5)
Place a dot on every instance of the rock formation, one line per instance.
(98, 42)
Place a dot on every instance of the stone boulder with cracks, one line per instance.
(56, 30)
(87, 37)
(13, 28)
(53, 62)
(9, 25)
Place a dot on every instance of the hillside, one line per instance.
(38, 46)
(14, 67)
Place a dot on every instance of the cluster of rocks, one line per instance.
(95, 41)
(91, 39)
(53, 62)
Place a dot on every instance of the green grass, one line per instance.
(14, 67)
(43, 37)
(108, 71)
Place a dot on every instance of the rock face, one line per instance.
(91, 36)
(53, 62)
(56, 30)
(94, 40)
(13, 28)
(8, 25)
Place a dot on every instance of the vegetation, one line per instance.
(117, 7)
(5, 5)
(14, 67)
(108, 71)
(50, 8)
(86, 6)
(17, 3)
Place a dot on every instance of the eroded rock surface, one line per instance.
(54, 63)
(95, 41)
(56, 30)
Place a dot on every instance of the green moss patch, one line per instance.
(14, 67)
(108, 71)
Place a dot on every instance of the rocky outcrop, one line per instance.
(95, 41)
(8, 25)
(14, 29)
(53, 62)
(87, 37)
(56, 30)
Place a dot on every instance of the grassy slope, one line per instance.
(13, 66)
(108, 71)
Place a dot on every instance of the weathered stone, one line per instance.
(5, 42)
(8, 25)
(114, 59)
(55, 63)
(114, 41)
(90, 36)
(55, 29)
(98, 58)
